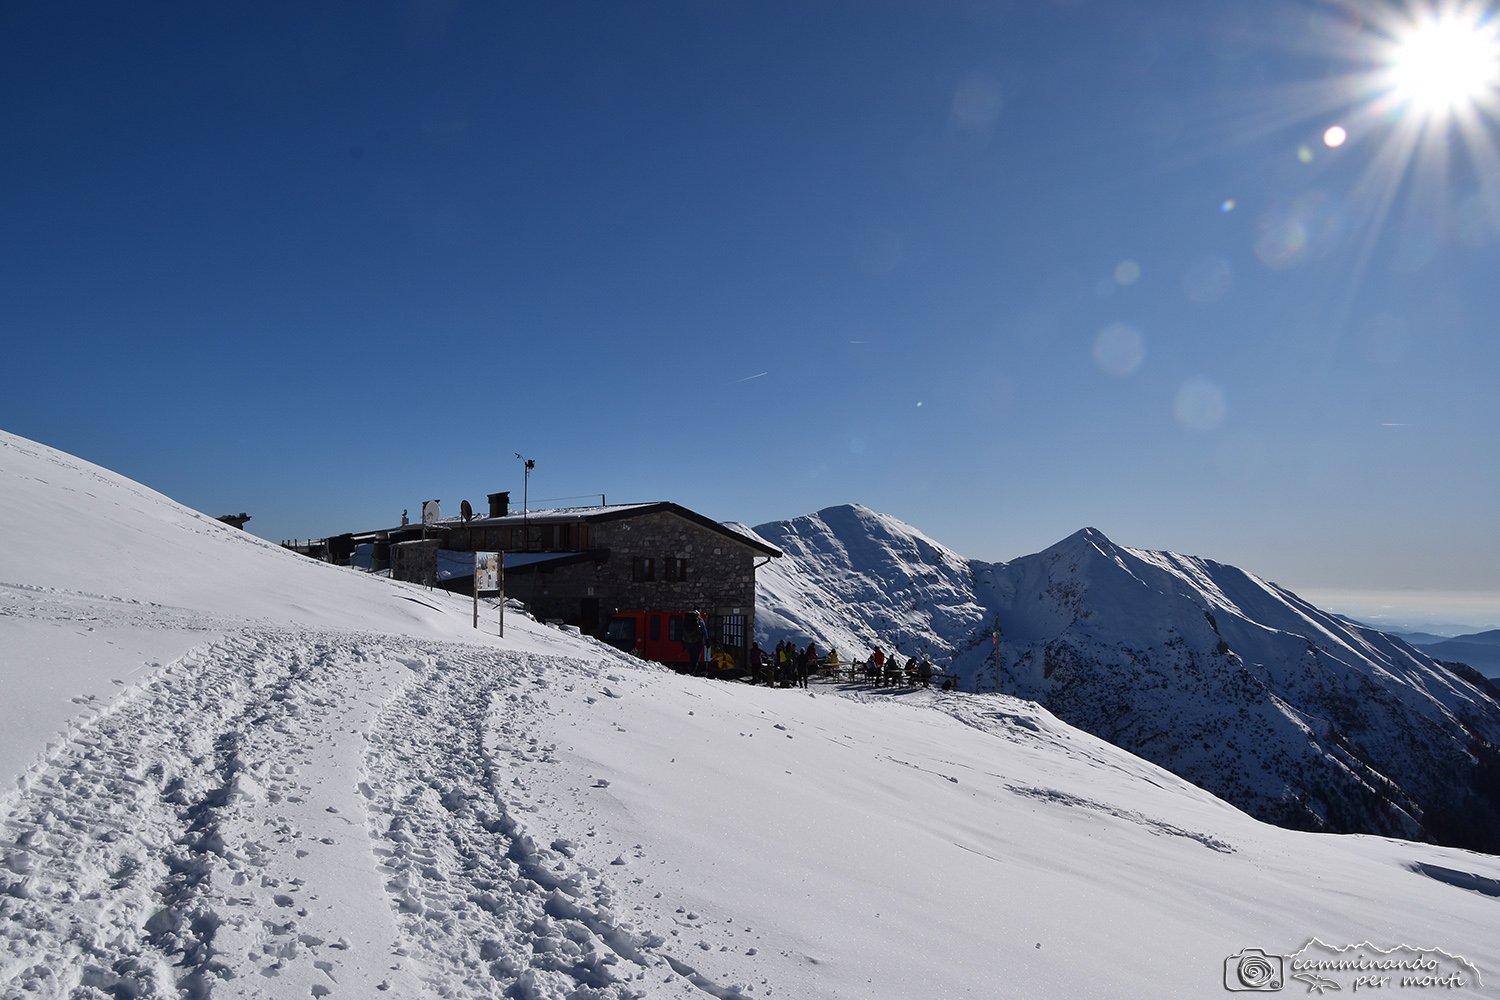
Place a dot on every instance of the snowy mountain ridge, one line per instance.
(1295, 715)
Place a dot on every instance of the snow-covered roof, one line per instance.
(546, 514)
(605, 512)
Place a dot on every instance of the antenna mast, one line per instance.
(526, 497)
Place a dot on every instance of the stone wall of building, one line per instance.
(719, 578)
(415, 562)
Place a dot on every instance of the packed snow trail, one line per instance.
(223, 829)
(488, 905)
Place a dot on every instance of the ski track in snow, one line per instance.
(209, 831)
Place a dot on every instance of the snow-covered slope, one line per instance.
(851, 578)
(103, 579)
(298, 786)
(1295, 715)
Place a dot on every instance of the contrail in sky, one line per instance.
(749, 377)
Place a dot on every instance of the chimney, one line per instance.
(499, 504)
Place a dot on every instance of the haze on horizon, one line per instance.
(1214, 280)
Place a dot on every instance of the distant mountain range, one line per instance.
(1480, 650)
(1298, 717)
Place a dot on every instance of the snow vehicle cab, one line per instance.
(651, 635)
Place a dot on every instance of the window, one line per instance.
(621, 633)
(731, 630)
(642, 569)
(676, 569)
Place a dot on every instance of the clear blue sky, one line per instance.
(1000, 269)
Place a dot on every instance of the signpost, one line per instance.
(489, 575)
(430, 516)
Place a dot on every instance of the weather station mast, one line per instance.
(528, 465)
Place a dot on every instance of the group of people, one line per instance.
(790, 665)
(883, 669)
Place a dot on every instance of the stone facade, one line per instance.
(717, 573)
(415, 562)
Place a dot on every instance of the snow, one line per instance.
(281, 779)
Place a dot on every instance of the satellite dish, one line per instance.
(466, 511)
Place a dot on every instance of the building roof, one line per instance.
(610, 512)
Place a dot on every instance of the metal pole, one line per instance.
(527, 466)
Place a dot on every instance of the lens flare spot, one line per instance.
(977, 104)
(1200, 405)
(1208, 279)
(1119, 349)
(1228, 205)
(1335, 136)
(1304, 154)
(1280, 241)
(1127, 272)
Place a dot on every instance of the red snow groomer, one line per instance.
(651, 635)
(666, 637)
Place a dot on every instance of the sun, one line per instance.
(1445, 62)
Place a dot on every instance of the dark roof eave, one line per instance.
(620, 513)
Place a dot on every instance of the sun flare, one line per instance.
(1446, 63)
